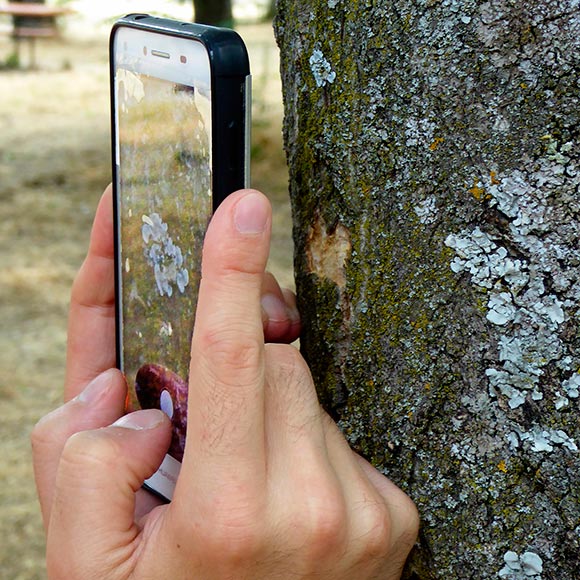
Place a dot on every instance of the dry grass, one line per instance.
(54, 164)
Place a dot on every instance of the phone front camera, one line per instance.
(145, 51)
(182, 59)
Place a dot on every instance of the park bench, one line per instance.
(31, 21)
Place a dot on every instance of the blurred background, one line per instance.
(54, 165)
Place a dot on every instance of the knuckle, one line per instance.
(49, 432)
(40, 434)
(377, 531)
(287, 358)
(97, 297)
(410, 523)
(234, 541)
(285, 366)
(233, 351)
(322, 526)
(229, 529)
(91, 452)
(388, 535)
(328, 529)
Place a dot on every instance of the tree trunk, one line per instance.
(433, 152)
(271, 9)
(214, 12)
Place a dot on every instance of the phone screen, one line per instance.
(164, 203)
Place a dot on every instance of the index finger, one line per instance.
(91, 326)
(226, 396)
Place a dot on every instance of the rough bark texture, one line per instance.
(433, 151)
(213, 12)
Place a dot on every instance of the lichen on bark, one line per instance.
(440, 137)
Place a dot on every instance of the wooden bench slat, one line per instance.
(31, 32)
(40, 10)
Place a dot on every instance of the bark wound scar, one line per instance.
(328, 252)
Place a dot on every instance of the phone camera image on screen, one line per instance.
(165, 187)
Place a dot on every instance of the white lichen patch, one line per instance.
(517, 301)
(501, 308)
(544, 440)
(426, 210)
(419, 132)
(557, 153)
(561, 401)
(321, 69)
(572, 386)
(485, 261)
(163, 255)
(166, 329)
(327, 253)
(528, 566)
(527, 298)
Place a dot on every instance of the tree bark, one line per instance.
(214, 12)
(433, 153)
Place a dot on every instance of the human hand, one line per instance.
(91, 352)
(91, 331)
(268, 488)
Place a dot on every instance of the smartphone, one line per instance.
(180, 104)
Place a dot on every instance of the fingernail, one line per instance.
(97, 387)
(274, 308)
(140, 420)
(251, 214)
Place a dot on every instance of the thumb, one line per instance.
(94, 502)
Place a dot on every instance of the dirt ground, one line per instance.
(54, 164)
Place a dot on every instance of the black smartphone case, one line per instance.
(230, 88)
(230, 69)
